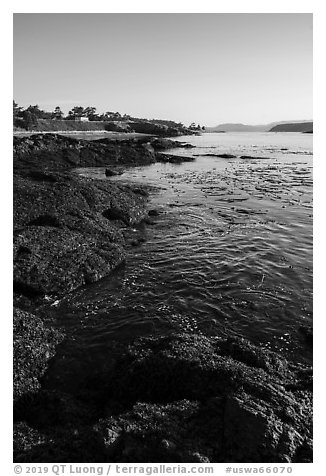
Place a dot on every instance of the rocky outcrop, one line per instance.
(181, 398)
(174, 159)
(208, 400)
(34, 345)
(159, 129)
(159, 144)
(56, 152)
(222, 156)
(112, 172)
(68, 230)
(253, 157)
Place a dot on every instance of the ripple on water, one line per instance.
(231, 254)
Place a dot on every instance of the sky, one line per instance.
(209, 68)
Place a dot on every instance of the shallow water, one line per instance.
(230, 252)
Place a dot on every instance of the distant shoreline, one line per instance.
(87, 134)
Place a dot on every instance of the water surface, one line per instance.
(229, 253)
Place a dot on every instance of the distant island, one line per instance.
(294, 127)
(230, 127)
(281, 126)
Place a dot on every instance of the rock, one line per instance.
(181, 431)
(175, 398)
(180, 398)
(41, 152)
(68, 232)
(243, 351)
(188, 146)
(53, 261)
(249, 157)
(25, 440)
(252, 432)
(174, 159)
(163, 144)
(149, 221)
(140, 191)
(159, 129)
(137, 242)
(112, 173)
(226, 156)
(223, 156)
(75, 199)
(50, 259)
(47, 220)
(34, 345)
(262, 405)
(176, 367)
(153, 213)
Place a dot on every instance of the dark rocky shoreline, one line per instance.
(175, 398)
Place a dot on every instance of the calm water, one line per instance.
(230, 252)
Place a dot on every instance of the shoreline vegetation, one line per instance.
(173, 398)
(87, 119)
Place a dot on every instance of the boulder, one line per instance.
(67, 231)
(179, 432)
(55, 261)
(34, 345)
(113, 172)
(262, 404)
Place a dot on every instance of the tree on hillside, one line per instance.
(107, 116)
(113, 116)
(90, 112)
(76, 111)
(17, 110)
(34, 110)
(29, 120)
(193, 127)
(17, 115)
(57, 113)
(39, 113)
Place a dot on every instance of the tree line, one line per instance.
(28, 118)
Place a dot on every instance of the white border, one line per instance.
(167, 6)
